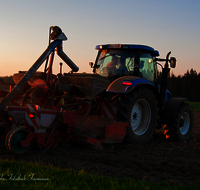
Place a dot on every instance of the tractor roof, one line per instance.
(128, 46)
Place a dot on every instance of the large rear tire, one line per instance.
(140, 109)
(182, 126)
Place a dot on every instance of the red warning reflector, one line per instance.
(31, 115)
(127, 83)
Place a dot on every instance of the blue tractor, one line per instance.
(141, 100)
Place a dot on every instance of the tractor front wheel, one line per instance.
(140, 109)
(182, 126)
(13, 139)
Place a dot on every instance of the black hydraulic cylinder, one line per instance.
(66, 59)
(28, 74)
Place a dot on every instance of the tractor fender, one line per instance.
(126, 84)
(168, 113)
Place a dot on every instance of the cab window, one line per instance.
(147, 67)
(115, 62)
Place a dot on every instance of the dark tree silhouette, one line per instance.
(187, 85)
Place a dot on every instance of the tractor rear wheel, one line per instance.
(182, 126)
(13, 139)
(140, 109)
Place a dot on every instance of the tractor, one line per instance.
(121, 101)
(141, 101)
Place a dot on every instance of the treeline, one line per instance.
(187, 86)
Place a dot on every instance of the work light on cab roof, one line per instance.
(127, 46)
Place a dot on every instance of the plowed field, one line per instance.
(159, 160)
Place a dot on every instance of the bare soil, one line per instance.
(159, 161)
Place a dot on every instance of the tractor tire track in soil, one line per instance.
(157, 161)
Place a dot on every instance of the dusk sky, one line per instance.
(171, 25)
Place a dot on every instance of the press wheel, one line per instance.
(13, 139)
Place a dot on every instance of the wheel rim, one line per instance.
(140, 117)
(184, 127)
(15, 139)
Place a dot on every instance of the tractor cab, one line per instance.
(115, 60)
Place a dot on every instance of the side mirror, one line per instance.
(91, 64)
(172, 62)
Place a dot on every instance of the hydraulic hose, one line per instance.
(66, 59)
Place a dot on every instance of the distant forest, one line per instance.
(187, 86)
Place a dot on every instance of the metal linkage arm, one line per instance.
(28, 74)
(66, 59)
